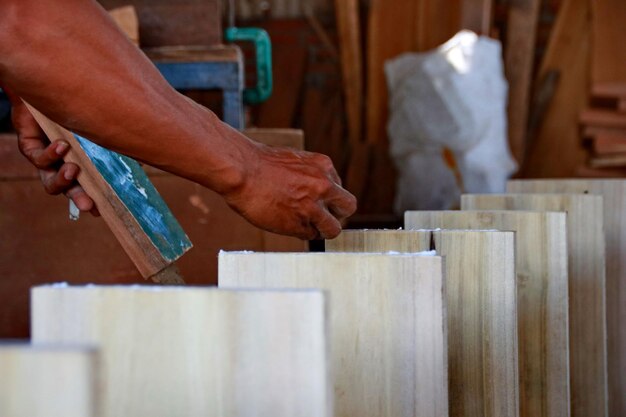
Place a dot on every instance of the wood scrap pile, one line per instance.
(576, 124)
(604, 122)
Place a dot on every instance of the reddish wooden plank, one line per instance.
(519, 63)
(558, 137)
(603, 118)
(609, 48)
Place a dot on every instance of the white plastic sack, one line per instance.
(447, 123)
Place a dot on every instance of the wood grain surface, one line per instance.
(388, 328)
(558, 136)
(481, 307)
(519, 60)
(177, 351)
(614, 193)
(587, 280)
(542, 294)
(47, 381)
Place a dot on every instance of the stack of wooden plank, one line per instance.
(604, 123)
(510, 307)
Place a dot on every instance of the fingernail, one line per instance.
(61, 148)
(69, 174)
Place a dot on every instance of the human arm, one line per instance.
(69, 60)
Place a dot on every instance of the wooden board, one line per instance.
(541, 264)
(126, 19)
(558, 137)
(609, 48)
(287, 138)
(587, 279)
(126, 199)
(603, 118)
(195, 352)
(348, 26)
(47, 381)
(519, 63)
(477, 15)
(385, 41)
(605, 144)
(175, 22)
(614, 193)
(437, 22)
(617, 160)
(481, 310)
(388, 329)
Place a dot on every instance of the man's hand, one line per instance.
(293, 192)
(57, 177)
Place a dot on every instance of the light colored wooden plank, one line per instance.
(541, 264)
(587, 279)
(388, 328)
(196, 352)
(126, 18)
(558, 137)
(481, 307)
(47, 381)
(519, 60)
(614, 193)
(290, 138)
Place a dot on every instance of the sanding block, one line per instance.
(128, 203)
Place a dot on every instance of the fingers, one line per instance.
(326, 225)
(57, 182)
(64, 181)
(82, 200)
(340, 203)
(40, 155)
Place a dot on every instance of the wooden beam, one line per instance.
(47, 381)
(541, 264)
(481, 310)
(587, 280)
(388, 329)
(519, 64)
(477, 15)
(385, 41)
(196, 352)
(437, 22)
(347, 14)
(614, 193)
(558, 137)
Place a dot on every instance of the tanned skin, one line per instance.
(70, 61)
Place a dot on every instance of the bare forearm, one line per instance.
(70, 61)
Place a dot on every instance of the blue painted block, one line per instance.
(132, 186)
